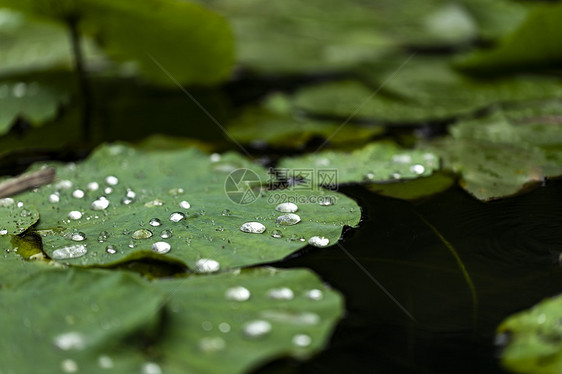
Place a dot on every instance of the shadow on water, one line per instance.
(510, 249)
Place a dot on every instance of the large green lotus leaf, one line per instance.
(214, 328)
(498, 155)
(533, 45)
(141, 186)
(191, 43)
(532, 339)
(274, 123)
(424, 89)
(33, 101)
(15, 218)
(65, 320)
(376, 162)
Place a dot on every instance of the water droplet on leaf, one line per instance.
(288, 219)
(142, 234)
(301, 340)
(75, 215)
(206, 265)
(184, 205)
(253, 227)
(318, 241)
(155, 222)
(161, 247)
(72, 251)
(112, 180)
(282, 293)
(277, 234)
(237, 293)
(256, 329)
(287, 207)
(177, 216)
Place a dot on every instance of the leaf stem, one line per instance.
(83, 83)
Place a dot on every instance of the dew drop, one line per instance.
(6, 202)
(142, 234)
(301, 340)
(19, 204)
(396, 175)
(78, 236)
(184, 205)
(212, 344)
(54, 198)
(155, 222)
(319, 241)
(111, 180)
(103, 236)
(93, 186)
(314, 294)
(166, 234)
(256, 329)
(252, 227)
(288, 219)
(215, 157)
(277, 234)
(161, 247)
(237, 293)
(72, 251)
(151, 368)
(105, 362)
(282, 293)
(206, 326)
(224, 327)
(100, 204)
(206, 265)
(403, 159)
(131, 194)
(417, 169)
(177, 216)
(154, 203)
(287, 208)
(69, 366)
(295, 238)
(126, 201)
(63, 185)
(326, 202)
(70, 340)
(226, 212)
(78, 194)
(19, 89)
(219, 228)
(108, 190)
(110, 249)
(74, 215)
(3, 232)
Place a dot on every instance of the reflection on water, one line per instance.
(510, 248)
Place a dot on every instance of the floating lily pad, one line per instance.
(497, 156)
(123, 204)
(235, 322)
(418, 90)
(70, 319)
(276, 125)
(376, 162)
(33, 101)
(15, 218)
(532, 339)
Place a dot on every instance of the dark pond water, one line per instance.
(509, 248)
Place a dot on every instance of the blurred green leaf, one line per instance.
(414, 189)
(190, 43)
(418, 90)
(376, 162)
(532, 339)
(534, 45)
(279, 127)
(33, 101)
